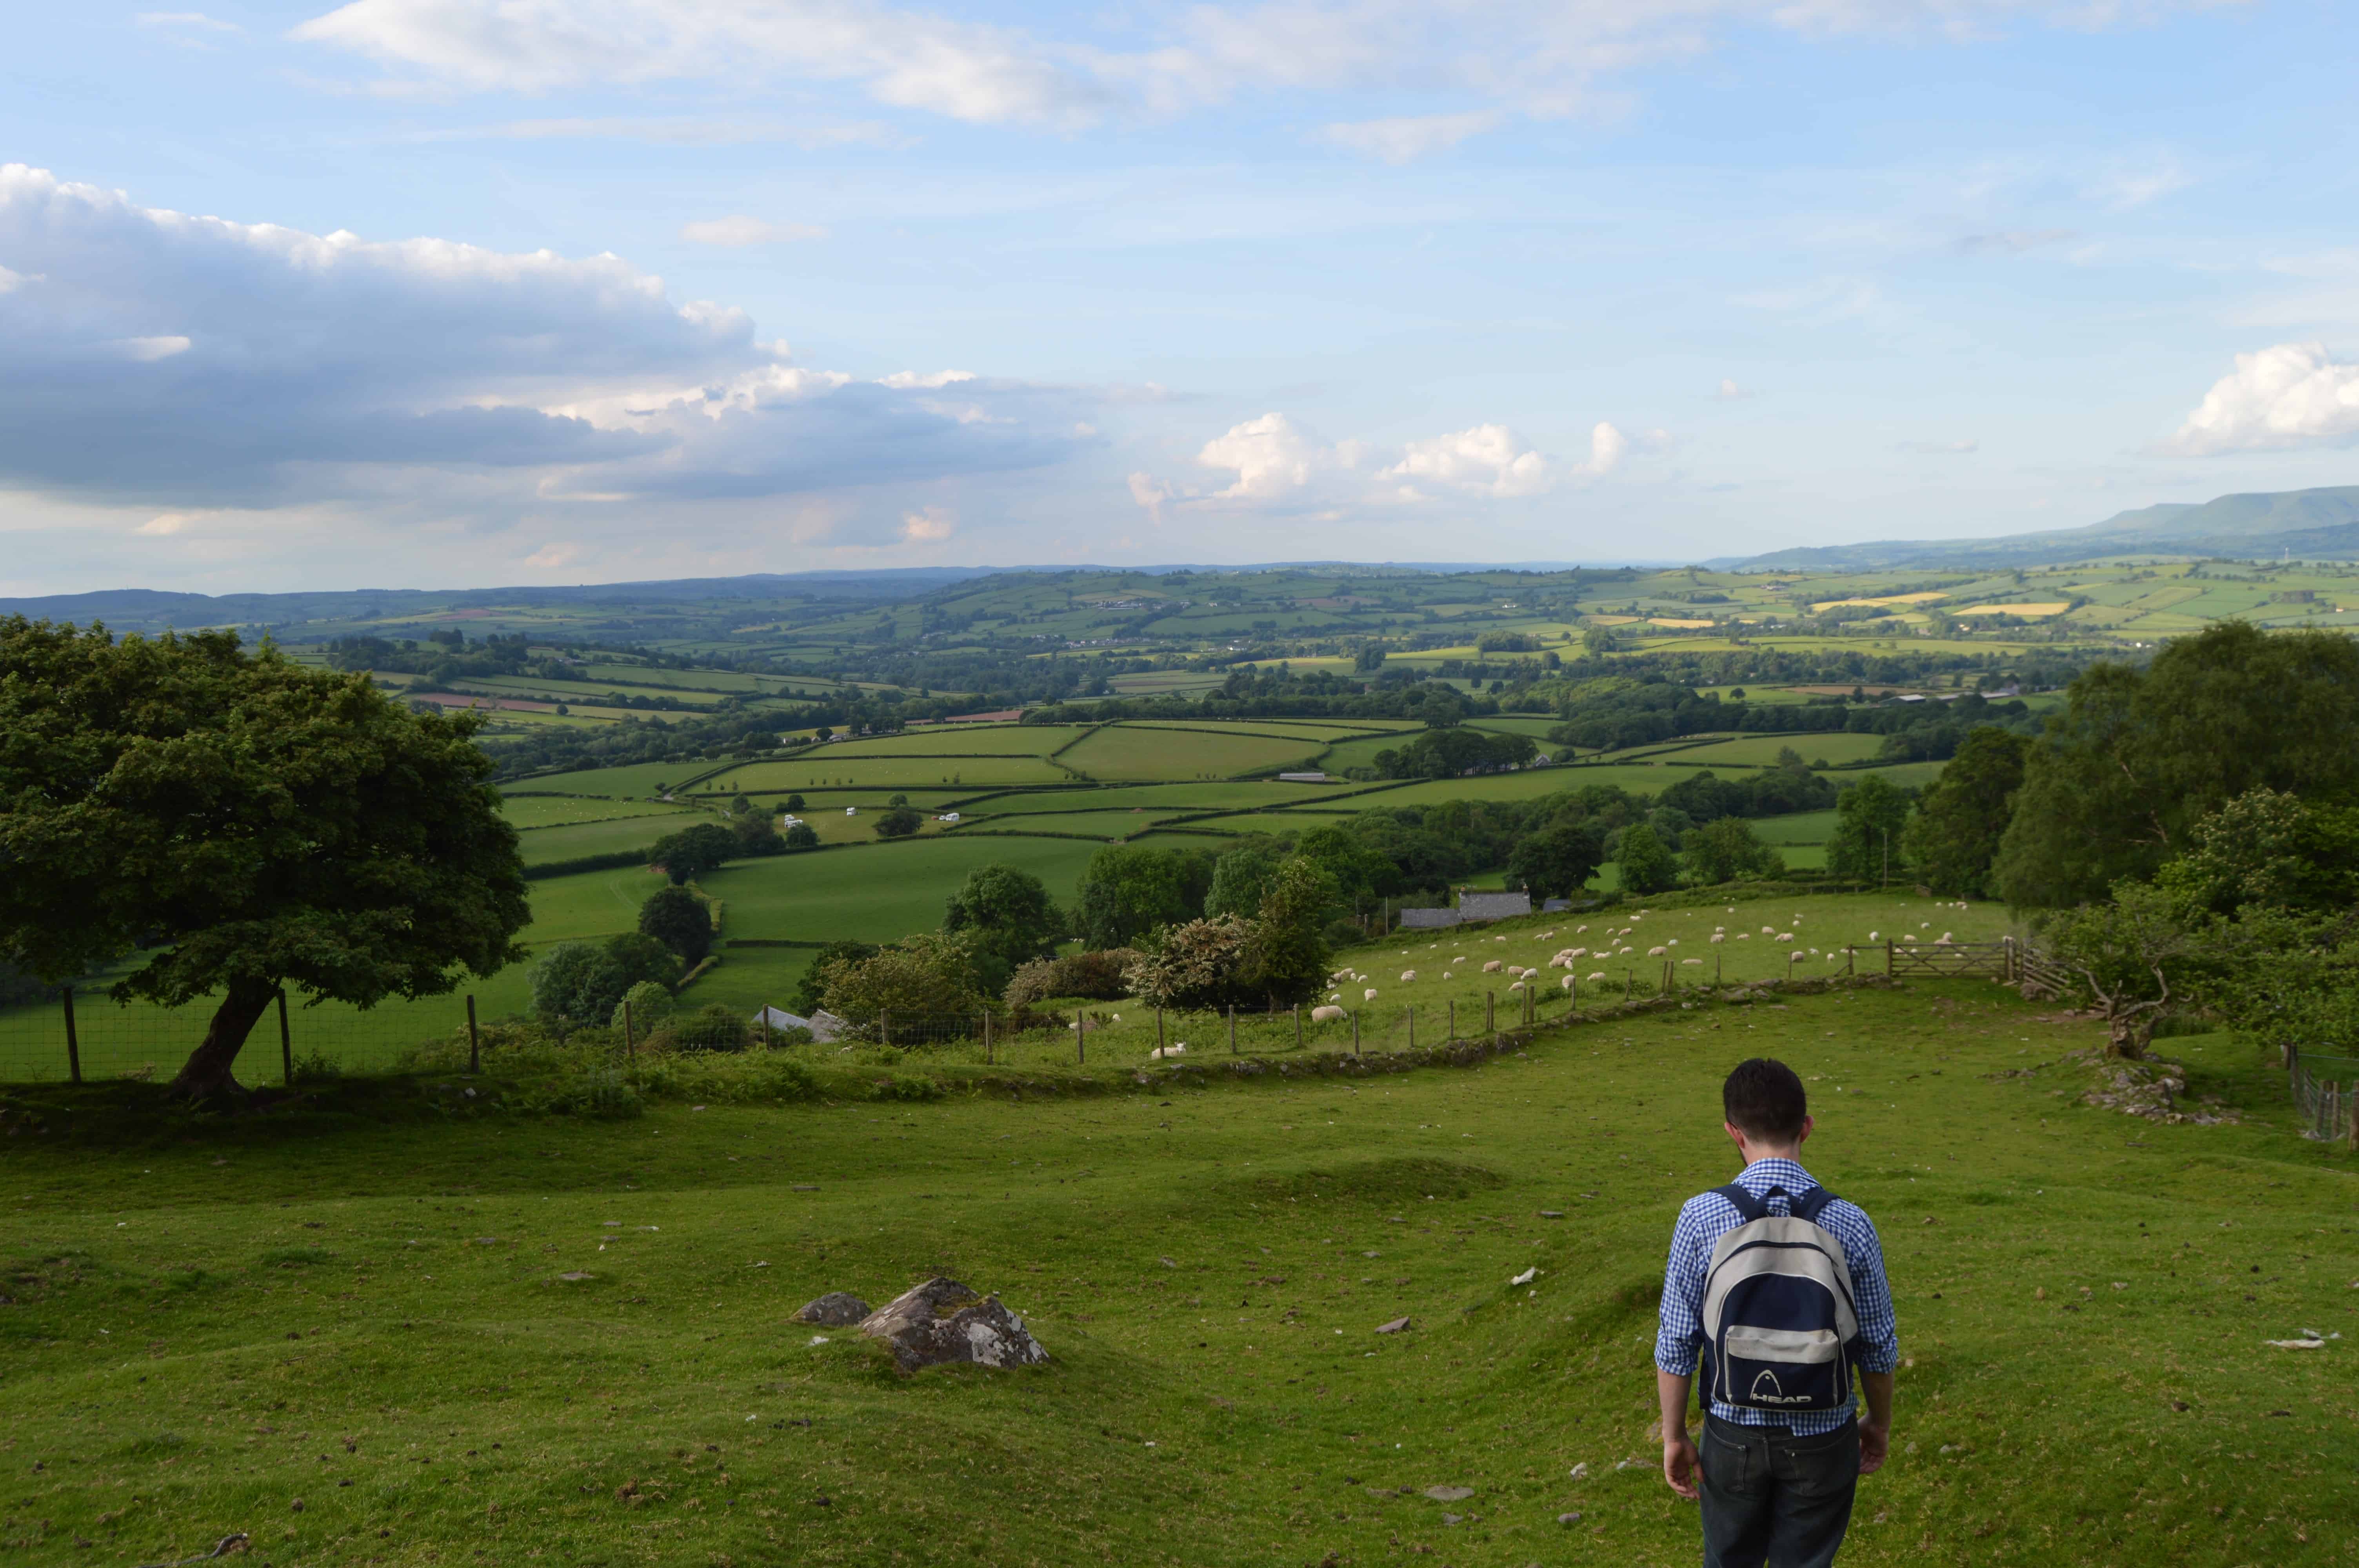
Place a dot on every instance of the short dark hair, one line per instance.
(1764, 1099)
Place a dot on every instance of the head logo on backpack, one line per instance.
(1777, 1308)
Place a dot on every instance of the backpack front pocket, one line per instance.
(1783, 1368)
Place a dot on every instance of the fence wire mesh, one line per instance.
(2324, 1087)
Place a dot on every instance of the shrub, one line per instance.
(926, 973)
(650, 1004)
(898, 823)
(713, 1027)
(1098, 976)
(1201, 964)
(802, 835)
(576, 983)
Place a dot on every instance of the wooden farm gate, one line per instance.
(2005, 959)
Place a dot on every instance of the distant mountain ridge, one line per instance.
(2309, 525)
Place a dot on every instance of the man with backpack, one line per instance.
(1776, 1289)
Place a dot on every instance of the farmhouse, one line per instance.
(1302, 778)
(1472, 908)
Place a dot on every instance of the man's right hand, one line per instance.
(1679, 1464)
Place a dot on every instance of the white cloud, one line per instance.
(1489, 459)
(1731, 393)
(196, 361)
(684, 131)
(2293, 395)
(1269, 457)
(1941, 449)
(555, 553)
(1151, 493)
(931, 380)
(737, 229)
(1608, 445)
(927, 525)
(1539, 58)
(1408, 138)
(163, 525)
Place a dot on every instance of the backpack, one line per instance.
(1781, 1328)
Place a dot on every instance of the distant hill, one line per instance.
(2309, 525)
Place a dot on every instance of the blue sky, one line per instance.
(421, 292)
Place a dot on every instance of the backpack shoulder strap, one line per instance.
(1810, 1205)
(1745, 1202)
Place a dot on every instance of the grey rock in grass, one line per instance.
(837, 1309)
(1449, 1494)
(943, 1322)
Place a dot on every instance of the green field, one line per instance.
(959, 740)
(826, 770)
(199, 1321)
(636, 780)
(543, 845)
(558, 811)
(1795, 827)
(1761, 750)
(1122, 752)
(1193, 796)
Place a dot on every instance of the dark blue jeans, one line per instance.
(1772, 1500)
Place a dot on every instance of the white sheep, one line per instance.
(1326, 1015)
(1872, 936)
(1784, 936)
(1579, 929)
(1768, 931)
(1691, 960)
(1160, 1052)
(1672, 943)
(1798, 954)
(1566, 982)
(1744, 936)
(1515, 986)
(1598, 975)
(1719, 937)
(1407, 975)
(1460, 959)
(1492, 967)
(1657, 952)
(1498, 939)
(1445, 974)
(1369, 994)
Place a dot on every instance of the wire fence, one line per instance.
(2323, 1087)
(86, 1036)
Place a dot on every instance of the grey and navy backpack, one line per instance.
(1777, 1308)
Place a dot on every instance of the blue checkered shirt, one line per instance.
(1708, 1216)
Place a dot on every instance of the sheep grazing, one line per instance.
(1327, 1015)
(1492, 967)
(1784, 936)
(1160, 1052)
(1445, 974)
(1460, 959)
(1798, 954)
(1597, 975)
(1719, 937)
(1566, 982)
(1579, 929)
(1657, 952)
(1691, 960)
(1407, 975)
(1943, 940)
(1369, 994)
(1744, 936)
(1871, 935)
(1515, 986)
(1498, 939)
(1672, 943)
(1768, 931)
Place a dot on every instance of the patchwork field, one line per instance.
(1123, 752)
(556, 811)
(514, 1335)
(824, 770)
(1761, 750)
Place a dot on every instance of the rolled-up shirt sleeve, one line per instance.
(1879, 1328)
(1679, 1338)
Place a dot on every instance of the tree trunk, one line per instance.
(207, 1073)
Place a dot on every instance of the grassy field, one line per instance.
(823, 771)
(1761, 750)
(377, 1319)
(959, 740)
(558, 811)
(1123, 752)
(1795, 827)
(637, 779)
(543, 846)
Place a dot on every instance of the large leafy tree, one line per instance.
(1241, 879)
(1010, 918)
(248, 822)
(1647, 864)
(1287, 956)
(1129, 890)
(1870, 819)
(680, 921)
(1557, 861)
(1961, 818)
(693, 852)
(1726, 849)
(2137, 756)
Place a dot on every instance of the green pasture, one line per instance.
(835, 828)
(1527, 783)
(1201, 794)
(542, 846)
(960, 740)
(1514, 724)
(1288, 729)
(824, 769)
(503, 1335)
(1123, 752)
(556, 811)
(1109, 822)
(632, 779)
(1761, 750)
(879, 893)
(1795, 827)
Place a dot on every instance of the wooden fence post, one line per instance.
(73, 1041)
(1412, 1026)
(630, 1034)
(2351, 1121)
(1082, 1041)
(1453, 1020)
(474, 1043)
(1297, 1026)
(884, 1023)
(1356, 1031)
(986, 1037)
(1887, 957)
(286, 1044)
(1490, 1014)
(766, 1025)
(1232, 1028)
(1158, 1026)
